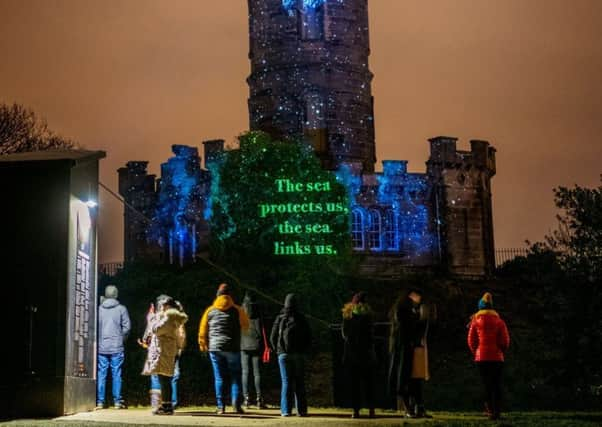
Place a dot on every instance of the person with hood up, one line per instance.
(155, 387)
(408, 368)
(291, 338)
(219, 334)
(488, 340)
(251, 350)
(165, 343)
(113, 328)
(359, 355)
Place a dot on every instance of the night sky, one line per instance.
(133, 77)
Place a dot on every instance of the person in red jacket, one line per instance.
(488, 340)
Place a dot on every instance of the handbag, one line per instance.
(420, 363)
(420, 359)
(266, 348)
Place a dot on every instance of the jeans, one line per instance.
(491, 373)
(226, 369)
(292, 371)
(156, 384)
(115, 361)
(248, 359)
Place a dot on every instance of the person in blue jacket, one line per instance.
(113, 328)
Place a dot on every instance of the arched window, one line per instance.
(357, 229)
(374, 230)
(311, 20)
(391, 233)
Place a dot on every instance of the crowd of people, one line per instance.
(236, 340)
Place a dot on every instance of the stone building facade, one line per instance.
(310, 82)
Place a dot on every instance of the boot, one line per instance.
(488, 412)
(495, 411)
(421, 412)
(245, 402)
(155, 399)
(165, 409)
(260, 403)
(408, 408)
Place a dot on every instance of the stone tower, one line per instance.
(310, 76)
(461, 188)
(137, 188)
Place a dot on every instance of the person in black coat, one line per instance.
(251, 349)
(408, 367)
(291, 338)
(359, 356)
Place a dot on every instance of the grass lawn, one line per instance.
(322, 417)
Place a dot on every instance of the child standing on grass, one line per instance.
(488, 340)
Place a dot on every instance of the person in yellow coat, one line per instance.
(219, 334)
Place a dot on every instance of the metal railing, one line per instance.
(110, 269)
(503, 255)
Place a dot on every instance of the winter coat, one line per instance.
(252, 339)
(113, 326)
(221, 326)
(407, 332)
(166, 342)
(488, 337)
(358, 335)
(290, 333)
(180, 333)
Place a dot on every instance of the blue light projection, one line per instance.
(290, 4)
(406, 194)
(397, 218)
(180, 204)
(352, 182)
(217, 197)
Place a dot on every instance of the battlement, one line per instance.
(213, 149)
(444, 153)
(395, 167)
(134, 177)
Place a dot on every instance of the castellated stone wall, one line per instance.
(310, 80)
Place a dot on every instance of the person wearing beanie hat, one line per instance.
(219, 334)
(359, 355)
(486, 302)
(223, 289)
(291, 338)
(488, 340)
(113, 328)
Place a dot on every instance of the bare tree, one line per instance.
(21, 130)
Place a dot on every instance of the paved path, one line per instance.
(206, 417)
